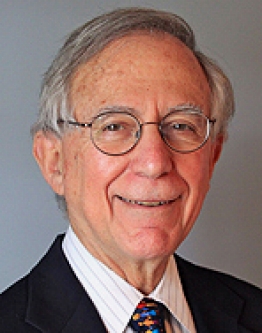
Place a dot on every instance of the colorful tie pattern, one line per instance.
(148, 317)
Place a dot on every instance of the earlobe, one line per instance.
(47, 150)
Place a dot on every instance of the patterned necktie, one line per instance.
(148, 317)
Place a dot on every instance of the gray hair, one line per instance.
(91, 38)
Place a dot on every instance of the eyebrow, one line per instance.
(117, 108)
(183, 106)
(137, 113)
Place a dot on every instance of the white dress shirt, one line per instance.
(115, 299)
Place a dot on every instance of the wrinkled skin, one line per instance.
(150, 73)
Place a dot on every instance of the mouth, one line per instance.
(146, 203)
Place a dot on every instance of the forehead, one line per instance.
(138, 64)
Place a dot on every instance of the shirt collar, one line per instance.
(106, 288)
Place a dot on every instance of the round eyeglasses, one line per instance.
(117, 132)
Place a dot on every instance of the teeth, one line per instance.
(145, 203)
(151, 204)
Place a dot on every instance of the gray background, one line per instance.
(228, 233)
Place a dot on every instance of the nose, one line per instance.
(151, 157)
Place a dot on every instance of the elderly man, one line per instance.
(132, 122)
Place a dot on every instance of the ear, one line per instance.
(47, 150)
(216, 150)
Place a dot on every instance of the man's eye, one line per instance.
(113, 127)
(183, 127)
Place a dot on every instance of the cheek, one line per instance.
(88, 173)
(71, 176)
(73, 166)
(194, 169)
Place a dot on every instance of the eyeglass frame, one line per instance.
(193, 110)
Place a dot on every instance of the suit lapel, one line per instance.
(85, 317)
(56, 300)
(58, 303)
(214, 306)
(210, 316)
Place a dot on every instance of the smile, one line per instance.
(146, 203)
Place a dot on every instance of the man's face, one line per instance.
(112, 200)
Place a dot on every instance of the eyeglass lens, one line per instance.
(116, 133)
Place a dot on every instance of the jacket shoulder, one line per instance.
(14, 300)
(13, 303)
(241, 287)
(217, 285)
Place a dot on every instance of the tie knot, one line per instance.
(148, 317)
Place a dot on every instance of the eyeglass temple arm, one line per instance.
(74, 123)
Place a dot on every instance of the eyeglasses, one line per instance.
(117, 132)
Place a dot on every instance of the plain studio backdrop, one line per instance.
(227, 235)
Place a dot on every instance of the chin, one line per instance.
(149, 247)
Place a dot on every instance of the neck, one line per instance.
(144, 275)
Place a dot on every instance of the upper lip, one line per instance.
(147, 203)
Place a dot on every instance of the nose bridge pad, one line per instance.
(138, 134)
(161, 133)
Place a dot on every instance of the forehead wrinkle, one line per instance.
(106, 60)
(87, 77)
(97, 74)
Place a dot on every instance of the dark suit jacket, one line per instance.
(50, 299)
